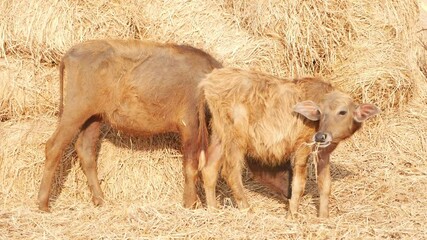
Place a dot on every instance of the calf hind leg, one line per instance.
(232, 172)
(86, 150)
(211, 170)
(66, 130)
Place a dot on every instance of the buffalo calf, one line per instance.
(137, 87)
(272, 121)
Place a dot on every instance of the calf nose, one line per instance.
(320, 137)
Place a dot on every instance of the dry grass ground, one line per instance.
(372, 49)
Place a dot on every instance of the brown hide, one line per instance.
(271, 120)
(135, 86)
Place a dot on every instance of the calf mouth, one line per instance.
(323, 144)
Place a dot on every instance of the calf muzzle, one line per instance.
(323, 138)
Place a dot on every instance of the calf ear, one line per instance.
(365, 111)
(308, 109)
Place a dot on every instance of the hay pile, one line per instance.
(369, 48)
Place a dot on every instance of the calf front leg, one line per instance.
(299, 179)
(190, 148)
(190, 166)
(324, 184)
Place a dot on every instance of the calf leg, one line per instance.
(232, 172)
(324, 184)
(86, 150)
(211, 170)
(190, 166)
(299, 179)
(66, 130)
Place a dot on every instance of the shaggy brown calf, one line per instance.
(137, 87)
(271, 120)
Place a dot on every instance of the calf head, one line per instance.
(339, 117)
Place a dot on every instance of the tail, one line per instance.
(203, 129)
(61, 87)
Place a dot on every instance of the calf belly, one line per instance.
(138, 119)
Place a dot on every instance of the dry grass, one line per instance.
(369, 48)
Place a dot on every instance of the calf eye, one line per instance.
(342, 112)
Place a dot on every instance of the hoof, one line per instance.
(212, 208)
(44, 208)
(243, 205)
(323, 215)
(190, 205)
(291, 216)
(98, 201)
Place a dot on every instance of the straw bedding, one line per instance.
(374, 50)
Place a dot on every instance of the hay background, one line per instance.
(373, 49)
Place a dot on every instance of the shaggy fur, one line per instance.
(137, 87)
(270, 120)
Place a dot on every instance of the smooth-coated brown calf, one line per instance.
(137, 87)
(271, 120)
